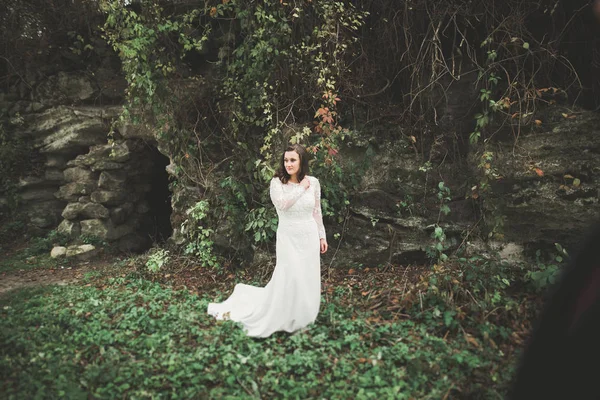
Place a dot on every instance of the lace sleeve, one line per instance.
(284, 200)
(317, 215)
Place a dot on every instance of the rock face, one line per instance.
(395, 208)
(112, 209)
(550, 183)
(547, 192)
(88, 187)
(547, 188)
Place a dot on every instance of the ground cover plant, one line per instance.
(422, 333)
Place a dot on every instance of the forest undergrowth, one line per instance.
(416, 332)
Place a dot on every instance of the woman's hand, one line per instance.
(324, 246)
(305, 183)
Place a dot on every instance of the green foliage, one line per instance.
(275, 60)
(43, 245)
(36, 254)
(93, 240)
(546, 273)
(437, 250)
(199, 237)
(132, 338)
(406, 205)
(141, 40)
(262, 223)
(474, 297)
(156, 260)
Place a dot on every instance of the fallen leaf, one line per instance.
(538, 122)
(576, 182)
(472, 340)
(539, 172)
(568, 176)
(351, 271)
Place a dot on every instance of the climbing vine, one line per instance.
(275, 71)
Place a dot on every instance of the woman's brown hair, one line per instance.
(282, 174)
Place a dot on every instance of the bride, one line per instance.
(291, 299)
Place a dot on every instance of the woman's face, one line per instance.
(291, 162)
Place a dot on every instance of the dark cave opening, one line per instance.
(159, 198)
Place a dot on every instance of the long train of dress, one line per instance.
(291, 299)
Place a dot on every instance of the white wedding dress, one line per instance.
(291, 299)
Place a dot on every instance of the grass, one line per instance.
(128, 337)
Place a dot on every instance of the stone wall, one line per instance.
(62, 116)
(550, 185)
(84, 186)
(548, 192)
(105, 191)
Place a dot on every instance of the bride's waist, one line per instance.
(296, 220)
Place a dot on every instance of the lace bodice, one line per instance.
(294, 203)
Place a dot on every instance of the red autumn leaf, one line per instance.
(539, 172)
(332, 152)
(321, 111)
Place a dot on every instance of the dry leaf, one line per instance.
(472, 340)
(568, 176)
(538, 122)
(351, 271)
